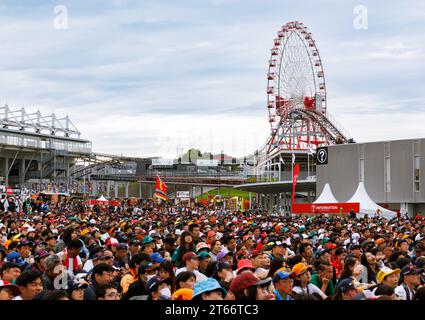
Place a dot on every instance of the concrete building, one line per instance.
(393, 172)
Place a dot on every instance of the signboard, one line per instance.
(9, 190)
(342, 207)
(182, 194)
(162, 162)
(322, 155)
(206, 163)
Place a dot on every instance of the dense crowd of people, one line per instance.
(70, 251)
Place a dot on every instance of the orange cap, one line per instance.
(379, 241)
(183, 294)
(300, 268)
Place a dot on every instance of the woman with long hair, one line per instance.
(353, 270)
(166, 271)
(370, 268)
(185, 245)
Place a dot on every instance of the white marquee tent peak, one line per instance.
(102, 198)
(326, 196)
(367, 205)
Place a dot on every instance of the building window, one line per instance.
(417, 172)
(387, 174)
(361, 170)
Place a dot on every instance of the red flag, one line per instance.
(294, 180)
(161, 189)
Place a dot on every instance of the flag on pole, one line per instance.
(294, 180)
(161, 189)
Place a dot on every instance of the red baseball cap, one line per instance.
(245, 280)
(187, 256)
(244, 264)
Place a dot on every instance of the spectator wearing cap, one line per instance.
(121, 258)
(222, 272)
(380, 243)
(186, 245)
(244, 265)
(323, 255)
(246, 286)
(51, 241)
(202, 246)
(211, 237)
(30, 284)
(283, 284)
(10, 272)
(388, 277)
(345, 290)
(204, 259)
(133, 248)
(248, 242)
(101, 275)
(8, 291)
(159, 289)
(24, 249)
(226, 257)
(278, 249)
(216, 248)
(410, 281)
(208, 289)
(419, 251)
(191, 263)
(76, 289)
(242, 254)
(302, 280)
(39, 257)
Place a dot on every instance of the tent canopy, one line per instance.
(102, 198)
(326, 196)
(367, 205)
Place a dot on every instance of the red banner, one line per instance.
(294, 180)
(341, 207)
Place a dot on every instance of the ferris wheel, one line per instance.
(296, 93)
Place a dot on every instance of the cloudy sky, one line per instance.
(154, 77)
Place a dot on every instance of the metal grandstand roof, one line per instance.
(37, 123)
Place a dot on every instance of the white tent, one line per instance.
(326, 196)
(367, 205)
(102, 199)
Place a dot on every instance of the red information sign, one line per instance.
(341, 207)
